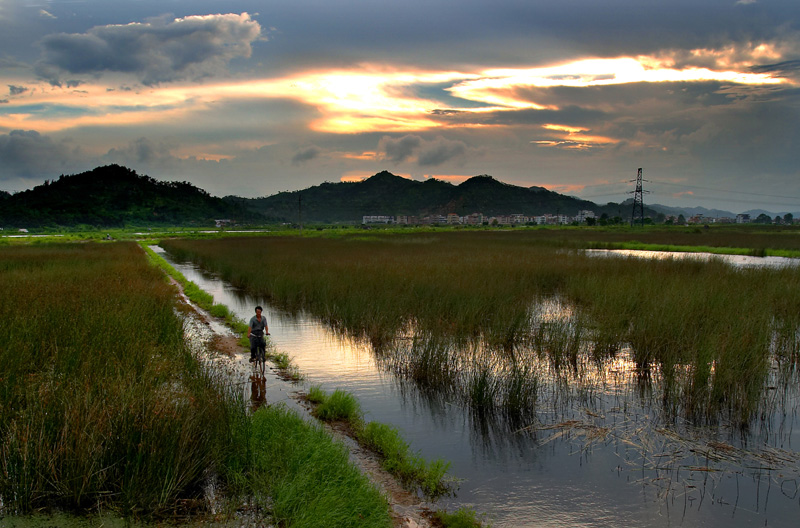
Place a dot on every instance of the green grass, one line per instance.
(396, 456)
(101, 405)
(464, 304)
(306, 480)
(103, 409)
(339, 405)
(461, 518)
(398, 460)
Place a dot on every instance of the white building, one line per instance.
(377, 219)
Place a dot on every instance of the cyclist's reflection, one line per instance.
(258, 391)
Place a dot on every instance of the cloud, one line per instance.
(46, 14)
(306, 154)
(439, 151)
(398, 150)
(141, 151)
(27, 153)
(156, 51)
(427, 153)
(16, 90)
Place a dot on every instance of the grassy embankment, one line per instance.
(104, 409)
(396, 456)
(465, 304)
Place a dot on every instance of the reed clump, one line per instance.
(306, 480)
(467, 304)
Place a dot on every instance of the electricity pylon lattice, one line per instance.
(638, 202)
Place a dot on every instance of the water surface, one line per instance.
(598, 453)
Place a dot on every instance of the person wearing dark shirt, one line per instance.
(256, 331)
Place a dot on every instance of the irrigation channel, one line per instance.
(599, 453)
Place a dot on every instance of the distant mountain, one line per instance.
(692, 211)
(713, 213)
(388, 194)
(755, 212)
(114, 196)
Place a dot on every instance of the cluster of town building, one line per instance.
(701, 219)
(478, 219)
(743, 218)
(546, 219)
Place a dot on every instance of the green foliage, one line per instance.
(285, 367)
(412, 470)
(103, 408)
(219, 310)
(339, 405)
(316, 394)
(397, 459)
(305, 479)
(113, 196)
(461, 518)
(385, 193)
(101, 404)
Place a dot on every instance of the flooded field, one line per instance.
(599, 448)
(744, 261)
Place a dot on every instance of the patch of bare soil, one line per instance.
(226, 344)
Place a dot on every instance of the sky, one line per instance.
(251, 98)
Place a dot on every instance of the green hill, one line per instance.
(115, 196)
(387, 194)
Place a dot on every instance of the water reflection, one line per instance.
(744, 261)
(258, 391)
(598, 450)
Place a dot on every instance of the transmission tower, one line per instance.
(638, 202)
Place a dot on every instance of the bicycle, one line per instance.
(259, 365)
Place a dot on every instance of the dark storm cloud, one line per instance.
(439, 151)
(27, 153)
(788, 69)
(400, 149)
(141, 151)
(156, 51)
(428, 152)
(306, 154)
(513, 32)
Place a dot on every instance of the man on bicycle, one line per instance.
(256, 331)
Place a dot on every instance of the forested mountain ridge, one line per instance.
(115, 196)
(387, 194)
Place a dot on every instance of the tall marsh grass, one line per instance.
(104, 409)
(461, 310)
(306, 480)
(101, 404)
